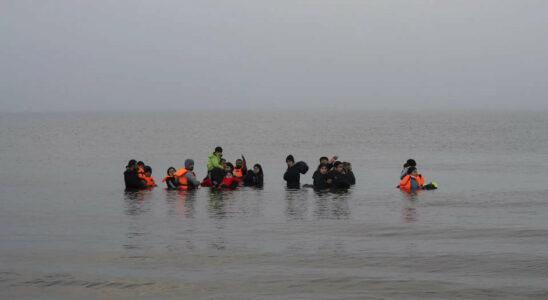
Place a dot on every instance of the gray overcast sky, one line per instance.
(117, 55)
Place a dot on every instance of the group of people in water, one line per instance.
(330, 173)
(221, 174)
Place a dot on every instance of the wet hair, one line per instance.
(411, 163)
(410, 170)
(147, 169)
(170, 168)
(230, 165)
(324, 158)
(322, 165)
(289, 158)
(141, 163)
(260, 168)
(131, 162)
(336, 164)
(218, 149)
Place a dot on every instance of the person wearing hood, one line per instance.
(214, 159)
(349, 174)
(187, 178)
(292, 174)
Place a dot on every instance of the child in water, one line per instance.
(148, 178)
(229, 181)
(170, 180)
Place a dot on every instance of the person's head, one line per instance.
(171, 171)
(148, 171)
(257, 169)
(324, 160)
(412, 171)
(218, 151)
(411, 163)
(239, 163)
(131, 164)
(347, 166)
(228, 166)
(189, 164)
(338, 166)
(322, 168)
(223, 162)
(289, 160)
(228, 174)
(140, 164)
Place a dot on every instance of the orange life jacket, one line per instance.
(183, 182)
(405, 183)
(238, 172)
(165, 178)
(149, 181)
(141, 173)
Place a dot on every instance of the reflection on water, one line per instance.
(216, 204)
(136, 202)
(409, 210)
(181, 203)
(326, 204)
(297, 205)
(332, 204)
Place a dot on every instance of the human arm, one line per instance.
(192, 179)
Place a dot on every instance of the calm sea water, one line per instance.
(68, 229)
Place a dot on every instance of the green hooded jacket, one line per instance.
(214, 162)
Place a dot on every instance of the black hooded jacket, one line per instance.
(132, 180)
(292, 175)
(320, 180)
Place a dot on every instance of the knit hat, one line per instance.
(188, 162)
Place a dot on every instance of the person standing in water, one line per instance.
(170, 180)
(187, 178)
(254, 177)
(412, 181)
(409, 163)
(292, 174)
(215, 169)
(321, 180)
(131, 178)
(240, 168)
(338, 176)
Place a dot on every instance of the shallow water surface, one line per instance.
(69, 230)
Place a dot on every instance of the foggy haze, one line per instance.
(139, 55)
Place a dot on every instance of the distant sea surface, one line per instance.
(69, 230)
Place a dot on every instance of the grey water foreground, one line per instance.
(68, 229)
